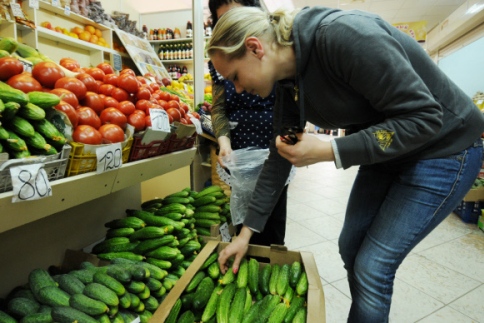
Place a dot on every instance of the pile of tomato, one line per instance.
(98, 102)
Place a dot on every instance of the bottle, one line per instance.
(145, 31)
(161, 51)
(151, 37)
(165, 53)
(177, 33)
(189, 32)
(184, 70)
(155, 34)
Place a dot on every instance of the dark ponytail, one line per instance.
(213, 5)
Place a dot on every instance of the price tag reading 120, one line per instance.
(109, 157)
(30, 182)
(159, 120)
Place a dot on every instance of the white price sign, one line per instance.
(30, 182)
(109, 157)
(34, 4)
(159, 120)
(56, 3)
(197, 124)
(17, 10)
(224, 232)
(67, 10)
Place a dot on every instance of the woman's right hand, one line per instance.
(238, 248)
(225, 148)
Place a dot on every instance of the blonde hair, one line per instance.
(237, 24)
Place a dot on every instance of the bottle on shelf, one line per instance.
(161, 51)
(189, 32)
(145, 32)
(177, 33)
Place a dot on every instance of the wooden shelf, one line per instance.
(76, 190)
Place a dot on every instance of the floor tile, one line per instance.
(324, 225)
(471, 304)
(337, 305)
(447, 315)
(298, 237)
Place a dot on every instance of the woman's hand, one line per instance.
(307, 151)
(237, 248)
(225, 148)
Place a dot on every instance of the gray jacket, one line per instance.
(357, 72)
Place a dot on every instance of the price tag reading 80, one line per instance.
(159, 120)
(30, 182)
(109, 157)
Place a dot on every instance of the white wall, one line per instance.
(122, 6)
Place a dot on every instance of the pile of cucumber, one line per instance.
(24, 130)
(212, 206)
(270, 293)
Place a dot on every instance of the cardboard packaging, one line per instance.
(274, 255)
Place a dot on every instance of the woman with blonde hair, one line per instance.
(413, 133)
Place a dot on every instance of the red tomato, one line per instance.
(127, 71)
(126, 107)
(148, 121)
(88, 116)
(143, 105)
(113, 115)
(183, 120)
(155, 95)
(69, 111)
(111, 133)
(165, 96)
(67, 96)
(111, 79)
(106, 68)
(163, 104)
(93, 101)
(10, 66)
(175, 97)
(87, 135)
(173, 104)
(106, 89)
(140, 112)
(175, 113)
(155, 86)
(96, 73)
(141, 79)
(72, 84)
(24, 82)
(194, 114)
(184, 106)
(143, 93)
(138, 121)
(119, 94)
(69, 63)
(128, 82)
(47, 73)
(110, 102)
(88, 81)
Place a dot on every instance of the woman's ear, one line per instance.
(254, 46)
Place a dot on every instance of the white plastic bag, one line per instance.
(245, 166)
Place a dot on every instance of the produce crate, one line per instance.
(469, 212)
(176, 144)
(151, 149)
(83, 160)
(316, 311)
(54, 165)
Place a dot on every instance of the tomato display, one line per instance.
(173, 104)
(110, 102)
(138, 121)
(93, 101)
(72, 84)
(143, 93)
(174, 113)
(67, 96)
(143, 105)
(47, 73)
(114, 116)
(88, 116)
(119, 94)
(164, 95)
(111, 79)
(96, 73)
(128, 82)
(69, 111)
(89, 82)
(87, 134)
(69, 63)
(126, 107)
(24, 82)
(111, 133)
(106, 68)
(10, 66)
(106, 89)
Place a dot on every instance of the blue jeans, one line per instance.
(390, 210)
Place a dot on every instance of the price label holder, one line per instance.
(34, 4)
(17, 10)
(30, 182)
(224, 232)
(67, 10)
(197, 124)
(159, 120)
(109, 157)
(117, 62)
(56, 3)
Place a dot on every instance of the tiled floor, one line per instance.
(442, 280)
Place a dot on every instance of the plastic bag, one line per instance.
(245, 166)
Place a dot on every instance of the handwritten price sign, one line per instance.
(109, 158)
(159, 120)
(30, 182)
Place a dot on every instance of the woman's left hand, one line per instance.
(307, 151)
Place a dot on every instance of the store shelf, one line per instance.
(177, 40)
(76, 190)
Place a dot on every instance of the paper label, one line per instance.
(109, 157)
(34, 4)
(224, 232)
(30, 182)
(159, 120)
(67, 10)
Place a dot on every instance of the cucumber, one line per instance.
(175, 310)
(208, 208)
(135, 287)
(253, 276)
(38, 279)
(206, 223)
(214, 271)
(88, 305)
(252, 313)
(276, 268)
(236, 312)
(10, 110)
(8, 44)
(182, 193)
(49, 131)
(242, 274)
(283, 280)
(208, 190)
(187, 300)
(9, 94)
(150, 232)
(119, 273)
(36, 318)
(186, 317)
(26, 51)
(119, 232)
(43, 100)
(202, 293)
(144, 316)
(228, 277)
(70, 284)
(193, 284)
(207, 216)
(109, 282)
(101, 293)
(172, 215)
(125, 301)
(269, 303)
(148, 245)
(121, 254)
(171, 208)
(3, 133)
(296, 304)
(53, 296)
(265, 276)
(163, 264)
(154, 220)
(37, 141)
(248, 300)
(22, 306)
(84, 275)
(300, 316)
(210, 260)
(191, 248)
(288, 295)
(223, 308)
(107, 244)
(278, 314)
(21, 127)
(149, 203)
(15, 143)
(302, 284)
(175, 199)
(151, 304)
(5, 318)
(164, 253)
(295, 273)
(204, 201)
(31, 112)
(128, 222)
(66, 314)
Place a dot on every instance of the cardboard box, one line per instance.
(274, 255)
(474, 195)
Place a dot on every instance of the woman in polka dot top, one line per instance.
(241, 120)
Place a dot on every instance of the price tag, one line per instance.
(30, 182)
(224, 232)
(67, 10)
(136, 320)
(28, 66)
(17, 10)
(34, 4)
(56, 3)
(109, 157)
(117, 62)
(159, 120)
(197, 124)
